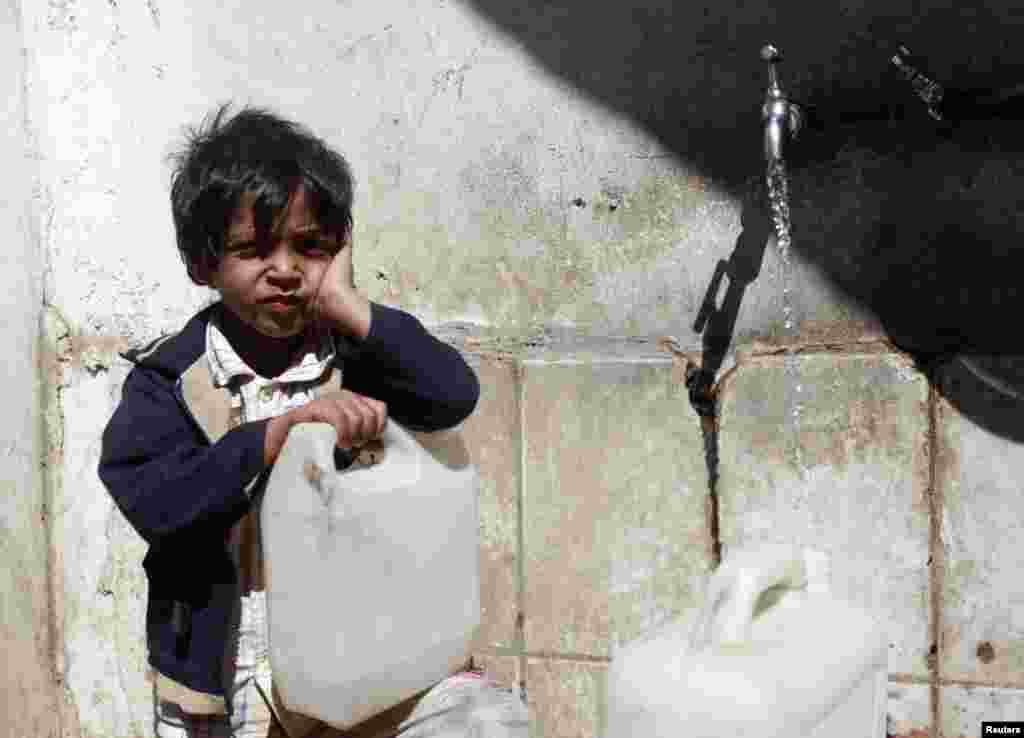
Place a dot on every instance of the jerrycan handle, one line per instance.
(393, 440)
(739, 582)
(343, 458)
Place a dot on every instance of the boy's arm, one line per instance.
(426, 383)
(162, 474)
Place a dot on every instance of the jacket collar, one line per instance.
(181, 357)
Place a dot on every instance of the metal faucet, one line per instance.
(782, 117)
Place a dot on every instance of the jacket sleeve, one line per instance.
(163, 474)
(426, 383)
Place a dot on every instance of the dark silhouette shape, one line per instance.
(717, 323)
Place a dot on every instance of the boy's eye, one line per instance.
(243, 248)
(312, 245)
(316, 244)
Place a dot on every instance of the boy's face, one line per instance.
(270, 285)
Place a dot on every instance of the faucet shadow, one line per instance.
(716, 322)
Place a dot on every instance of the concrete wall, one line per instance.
(554, 239)
(27, 691)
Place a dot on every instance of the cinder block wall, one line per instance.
(598, 528)
(554, 242)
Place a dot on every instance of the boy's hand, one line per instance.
(338, 302)
(356, 419)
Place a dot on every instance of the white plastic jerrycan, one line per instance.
(372, 573)
(770, 654)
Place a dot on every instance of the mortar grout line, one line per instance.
(900, 678)
(519, 375)
(599, 360)
(709, 429)
(936, 555)
(575, 658)
(52, 453)
(714, 428)
(739, 358)
(526, 353)
(869, 348)
(53, 333)
(55, 344)
(980, 683)
(497, 651)
(894, 677)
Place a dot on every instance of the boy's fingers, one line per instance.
(375, 414)
(341, 430)
(380, 410)
(355, 417)
(342, 425)
(354, 421)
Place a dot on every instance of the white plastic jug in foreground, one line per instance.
(372, 574)
(766, 656)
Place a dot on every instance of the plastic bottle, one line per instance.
(372, 573)
(770, 654)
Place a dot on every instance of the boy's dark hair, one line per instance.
(258, 153)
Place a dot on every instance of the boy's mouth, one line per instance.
(282, 303)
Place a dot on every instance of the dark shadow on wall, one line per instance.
(934, 251)
(716, 319)
(691, 73)
(941, 263)
(998, 411)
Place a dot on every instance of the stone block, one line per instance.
(566, 698)
(908, 710)
(979, 478)
(99, 581)
(965, 708)
(828, 451)
(492, 435)
(615, 538)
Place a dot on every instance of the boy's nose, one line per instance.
(284, 264)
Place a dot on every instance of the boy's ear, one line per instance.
(202, 272)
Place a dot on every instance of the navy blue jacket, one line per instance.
(183, 478)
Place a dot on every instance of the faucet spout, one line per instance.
(774, 131)
(782, 117)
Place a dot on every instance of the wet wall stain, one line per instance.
(527, 253)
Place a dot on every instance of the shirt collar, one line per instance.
(226, 365)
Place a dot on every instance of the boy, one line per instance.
(262, 213)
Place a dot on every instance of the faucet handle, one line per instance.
(771, 55)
